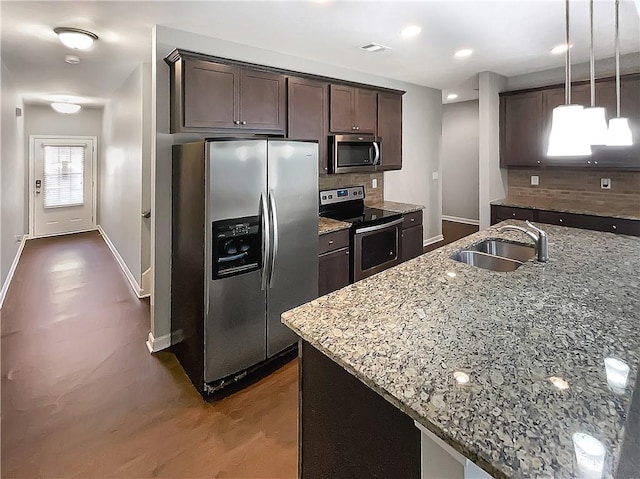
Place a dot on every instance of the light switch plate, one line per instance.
(605, 183)
(435, 175)
(535, 180)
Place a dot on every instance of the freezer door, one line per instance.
(293, 205)
(235, 311)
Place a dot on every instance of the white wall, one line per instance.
(421, 142)
(460, 156)
(12, 174)
(121, 172)
(493, 179)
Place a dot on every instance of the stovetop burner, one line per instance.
(347, 204)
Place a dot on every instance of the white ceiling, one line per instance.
(508, 37)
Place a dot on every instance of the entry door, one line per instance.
(62, 188)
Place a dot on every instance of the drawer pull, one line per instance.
(513, 214)
(560, 220)
(413, 220)
(347, 253)
(330, 242)
(615, 227)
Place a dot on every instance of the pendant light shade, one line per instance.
(567, 137)
(619, 133)
(595, 125)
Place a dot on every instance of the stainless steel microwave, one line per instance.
(354, 153)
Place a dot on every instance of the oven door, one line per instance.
(376, 248)
(354, 153)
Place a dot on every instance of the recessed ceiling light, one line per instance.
(72, 59)
(558, 49)
(374, 47)
(464, 53)
(66, 107)
(75, 38)
(452, 96)
(411, 31)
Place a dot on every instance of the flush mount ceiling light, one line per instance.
(558, 49)
(567, 136)
(464, 53)
(72, 59)
(452, 96)
(75, 38)
(595, 119)
(374, 47)
(66, 108)
(619, 133)
(411, 31)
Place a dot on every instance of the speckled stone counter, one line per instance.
(631, 213)
(394, 206)
(328, 225)
(405, 331)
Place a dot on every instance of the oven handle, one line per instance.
(382, 226)
(376, 159)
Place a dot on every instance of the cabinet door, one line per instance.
(307, 114)
(342, 100)
(390, 130)
(210, 95)
(366, 111)
(333, 271)
(411, 242)
(620, 157)
(262, 100)
(520, 120)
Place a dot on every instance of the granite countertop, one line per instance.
(328, 225)
(405, 331)
(396, 207)
(631, 213)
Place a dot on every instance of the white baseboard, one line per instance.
(456, 219)
(430, 241)
(12, 270)
(125, 269)
(158, 344)
(146, 282)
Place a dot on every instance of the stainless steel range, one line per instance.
(375, 235)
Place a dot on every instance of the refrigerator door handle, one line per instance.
(274, 221)
(266, 240)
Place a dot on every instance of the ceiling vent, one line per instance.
(374, 47)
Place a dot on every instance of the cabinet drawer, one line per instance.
(412, 219)
(596, 223)
(335, 240)
(508, 213)
(333, 271)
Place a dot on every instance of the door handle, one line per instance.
(274, 219)
(376, 159)
(266, 242)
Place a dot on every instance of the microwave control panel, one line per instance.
(328, 197)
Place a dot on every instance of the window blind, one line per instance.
(63, 176)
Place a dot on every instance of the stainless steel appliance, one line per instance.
(376, 235)
(244, 250)
(354, 153)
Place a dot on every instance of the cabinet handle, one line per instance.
(243, 122)
(588, 162)
(560, 220)
(357, 127)
(595, 162)
(615, 227)
(413, 220)
(330, 242)
(236, 122)
(513, 214)
(347, 253)
(353, 127)
(539, 162)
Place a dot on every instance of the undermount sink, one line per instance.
(486, 261)
(496, 255)
(505, 249)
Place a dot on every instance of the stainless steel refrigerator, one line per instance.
(244, 250)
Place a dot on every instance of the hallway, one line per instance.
(82, 397)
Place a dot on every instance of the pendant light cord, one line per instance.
(567, 59)
(617, 59)
(592, 58)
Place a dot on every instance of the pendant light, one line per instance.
(595, 119)
(619, 133)
(567, 136)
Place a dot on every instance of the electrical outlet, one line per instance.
(535, 180)
(435, 175)
(605, 183)
(374, 183)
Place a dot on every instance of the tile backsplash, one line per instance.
(327, 182)
(577, 189)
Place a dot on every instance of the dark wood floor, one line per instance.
(83, 398)
(452, 232)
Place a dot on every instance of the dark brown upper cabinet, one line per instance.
(352, 110)
(390, 130)
(525, 125)
(308, 114)
(212, 96)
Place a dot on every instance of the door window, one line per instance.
(63, 178)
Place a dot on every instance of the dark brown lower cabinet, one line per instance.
(411, 242)
(573, 220)
(333, 271)
(347, 430)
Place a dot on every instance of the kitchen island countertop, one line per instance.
(406, 331)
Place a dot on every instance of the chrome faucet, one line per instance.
(539, 239)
